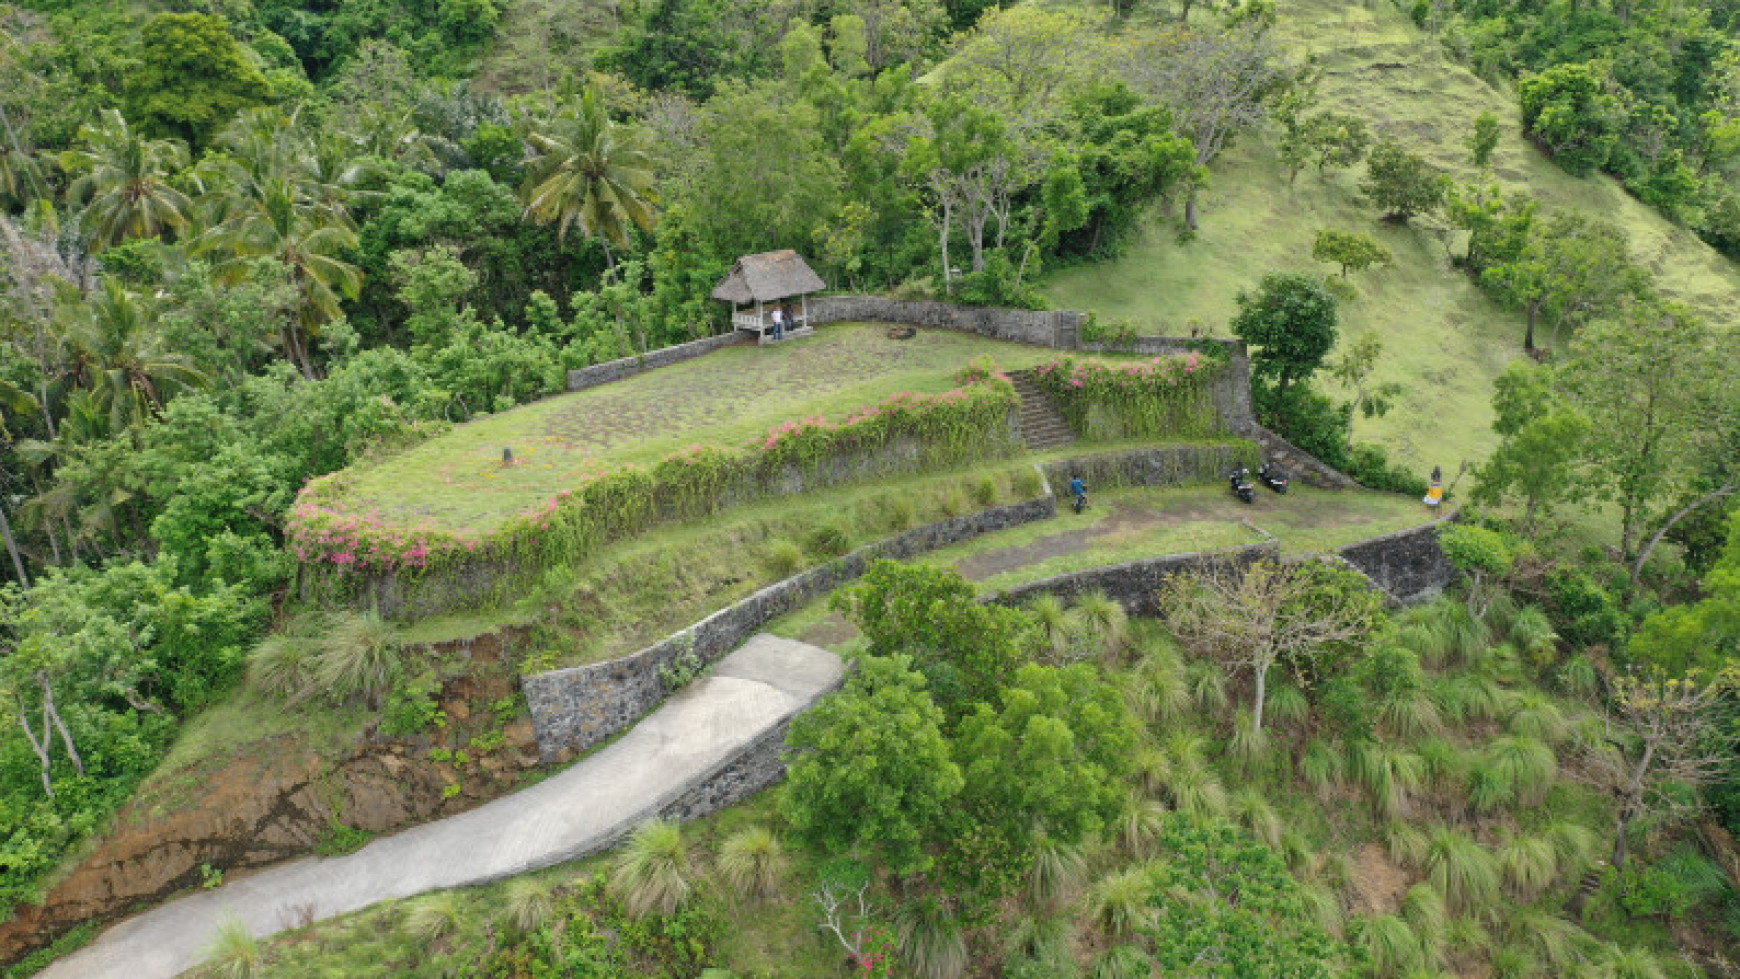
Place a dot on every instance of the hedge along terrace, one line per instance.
(349, 554)
(1168, 397)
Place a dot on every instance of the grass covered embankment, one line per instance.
(1444, 340)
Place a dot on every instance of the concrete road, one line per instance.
(563, 818)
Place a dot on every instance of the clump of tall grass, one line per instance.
(1138, 825)
(930, 940)
(1529, 765)
(1249, 747)
(1320, 767)
(1058, 871)
(1530, 864)
(1104, 624)
(1157, 689)
(1462, 870)
(1118, 904)
(234, 952)
(1533, 934)
(1059, 626)
(1449, 631)
(782, 558)
(1424, 910)
(1123, 962)
(1531, 633)
(653, 872)
(753, 862)
(1390, 946)
(434, 917)
(341, 656)
(1531, 715)
(1389, 774)
(1324, 907)
(1207, 685)
(528, 905)
(1578, 677)
(1193, 787)
(1287, 705)
(1253, 811)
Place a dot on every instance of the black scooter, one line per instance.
(1272, 478)
(1242, 487)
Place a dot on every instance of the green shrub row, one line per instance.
(1169, 396)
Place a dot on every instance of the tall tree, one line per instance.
(1215, 82)
(118, 354)
(972, 168)
(1660, 736)
(592, 173)
(1652, 383)
(1291, 319)
(122, 182)
(1251, 620)
(193, 76)
(1571, 269)
(1544, 440)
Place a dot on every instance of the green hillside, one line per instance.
(1442, 338)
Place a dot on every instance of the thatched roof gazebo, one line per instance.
(767, 281)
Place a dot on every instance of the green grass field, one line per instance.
(725, 398)
(1443, 339)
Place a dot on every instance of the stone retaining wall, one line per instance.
(614, 370)
(576, 708)
(1059, 328)
(1166, 465)
(1136, 584)
(1297, 463)
(1409, 565)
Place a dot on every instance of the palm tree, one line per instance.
(120, 358)
(591, 173)
(123, 182)
(273, 199)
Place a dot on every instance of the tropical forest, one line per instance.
(869, 489)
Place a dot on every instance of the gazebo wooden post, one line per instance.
(804, 307)
(760, 323)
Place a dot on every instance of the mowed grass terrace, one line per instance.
(726, 398)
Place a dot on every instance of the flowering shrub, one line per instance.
(954, 426)
(1161, 397)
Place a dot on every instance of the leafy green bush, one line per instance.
(829, 540)
(340, 839)
(783, 558)
(1369, 464)
(413, 706)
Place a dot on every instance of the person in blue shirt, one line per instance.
(1078, 489)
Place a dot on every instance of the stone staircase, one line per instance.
(1042, 427)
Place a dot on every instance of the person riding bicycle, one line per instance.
(1078, 489)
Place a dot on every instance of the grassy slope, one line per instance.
(1443, 339)
(726, 398)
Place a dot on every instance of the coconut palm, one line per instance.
(116, 352)
(122, 182)
(591, 173)
(653, 872)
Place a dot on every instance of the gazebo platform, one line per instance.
(766, 280)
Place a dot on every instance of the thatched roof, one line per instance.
(768, 276)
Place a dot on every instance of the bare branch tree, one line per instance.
(839, 902)
(1248, 621)
(1661, 734)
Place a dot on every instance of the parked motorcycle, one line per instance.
(1081, 502)
(1242, 487)
(1273, 478)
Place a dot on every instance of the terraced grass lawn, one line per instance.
(1129, 524)
(725, 398)
(1444, 340)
